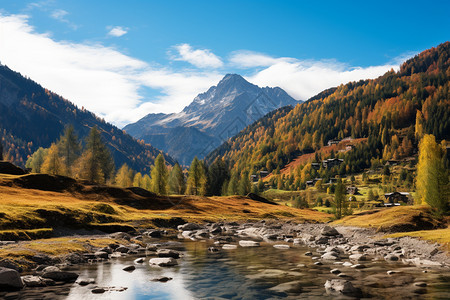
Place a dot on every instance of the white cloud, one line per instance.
(97, 77)
(201, 58)
(110, 83)
(118, 31)
(59, 14)
(302, 79)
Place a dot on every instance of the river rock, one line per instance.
(189, 227)
(359, 248)
(122, 249)
(330, 256)
(98, 290)
(213, 249)
(155, 233)
(391, 257)
(50, 269)
(281, 246)
(85, 281)
(129, 268)
(329, 231)
(120, 235)
(139, 260)
(162, 279)
(420, 284)
(116, 255)
(32, 281)
(359, 257)
(244, 243)
(163, 261)
(322, 240)
(297, 241)
(341, 286)
(358, 266)
(101, 254)
(229, 247)
(335, 271)
(347, 264)
(60, 275)
(288, 287)
(168, 253)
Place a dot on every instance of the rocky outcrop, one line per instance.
(10, 280)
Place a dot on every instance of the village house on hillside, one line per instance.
(352, 190)
(331, 162)
(312, 182)
(394, 199)
(333, 142)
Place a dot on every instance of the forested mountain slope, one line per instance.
(32, 116)
(384, 110)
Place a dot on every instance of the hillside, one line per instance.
(32, 116)
(384, 110)
(211, 118)
(55, 202)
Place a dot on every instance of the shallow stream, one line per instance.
(250, 273)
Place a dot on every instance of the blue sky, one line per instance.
(136, 57)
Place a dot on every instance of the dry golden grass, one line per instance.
(385, 219)
(20, 208)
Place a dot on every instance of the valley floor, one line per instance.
(56, 216)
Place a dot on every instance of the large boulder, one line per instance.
(168, 253)
(189, 227)
(33, 281)
(341, 286)
(10, 280)
(57, 275)
(329, 231)
(163, 261)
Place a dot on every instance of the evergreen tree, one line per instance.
(123, 176)
(196, 182)
(88, 167)
(101, 156)
(419, 126)
(260, 185)
(1, 149)
(217, 174)
(432, 177)
(53, 164)
(138, 180)
(36, 160)
(69, 149)
(146, 182)
(159, 175)
(233, 185)
(255, 189)
(244, 186)
(177, 184)
(340, 203)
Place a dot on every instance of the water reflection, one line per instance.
(252, 273)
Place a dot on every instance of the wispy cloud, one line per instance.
(59, 14)
(117, 31)
(48, 6)
(201, 58)
(100, 78)
(302, 79)
(110, 83)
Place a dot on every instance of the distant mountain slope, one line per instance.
(32, 116)
(382, 110)
(210, 119)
